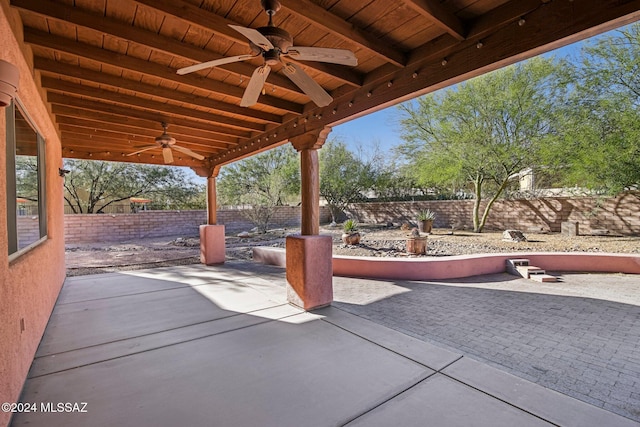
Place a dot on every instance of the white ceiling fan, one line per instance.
(274, 44)
(168, 143)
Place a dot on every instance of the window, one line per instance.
(26, 214)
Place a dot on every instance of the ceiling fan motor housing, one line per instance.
(279, 38)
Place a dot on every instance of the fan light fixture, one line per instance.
(167, 143)
(273, 44)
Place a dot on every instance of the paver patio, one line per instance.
(203, 346)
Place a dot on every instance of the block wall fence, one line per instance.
(89, 228)
(615, 215)
(619, 215)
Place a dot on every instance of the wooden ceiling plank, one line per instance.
(95, 126)
(57, 98)
(102, 119)
(134, 138)
(140, 36)
(434, 11)
(501, 16)
(57, 85)
(61, 44)
(329, 22)
(219, 25)
(54, 67)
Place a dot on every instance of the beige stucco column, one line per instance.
(309, 264)
(212, 240)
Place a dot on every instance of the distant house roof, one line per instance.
(139, 200)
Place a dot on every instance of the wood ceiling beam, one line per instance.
(142, 37)
(49, 66)
(503, 15)
(150, 130)
(82, 50)
(57, 85)
(209, 21)
(441, 17)
(440, 47)
(139, 141)
(320, 17)
(122, 132)
(78, 148)
(106, 120)
(157, 117)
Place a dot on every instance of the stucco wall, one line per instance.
(617, 215)
(30, 283)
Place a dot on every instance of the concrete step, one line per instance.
(543, 278)
(513, 264)
(527, 271)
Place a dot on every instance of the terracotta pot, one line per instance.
(417, 245)
(351, 238)
(9, 78)
(425, 225)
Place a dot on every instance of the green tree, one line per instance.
(263, 182)
(599, 143)
(482, 132)
(91, 186)
(345, 177)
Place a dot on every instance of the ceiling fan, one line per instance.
(274, 44)
(168, 143)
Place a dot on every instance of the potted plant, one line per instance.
(425, 220)
(350, 235)
(416, 243)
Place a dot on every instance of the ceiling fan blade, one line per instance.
(254, 88)
(214, 63)
(254, 36)
(307, 84)
(168, 156)
(149, 147)
(323, 54)
(188, 152)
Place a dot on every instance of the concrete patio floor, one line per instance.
(219, 346)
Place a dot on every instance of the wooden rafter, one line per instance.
(82, 50)
(50, 67)
(345, 30)
(210, 21)
(140, 36)
(441, 17)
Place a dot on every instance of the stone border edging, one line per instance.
(453, 267)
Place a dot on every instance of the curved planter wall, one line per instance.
(438, 268)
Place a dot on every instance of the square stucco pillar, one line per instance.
(309, 271)
(212, 245)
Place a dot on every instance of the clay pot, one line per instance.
(351, 238)
(417, 245)
(9, 79)
(425, 225)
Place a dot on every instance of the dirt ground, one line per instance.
(375, 240)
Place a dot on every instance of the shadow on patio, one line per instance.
(219, 346)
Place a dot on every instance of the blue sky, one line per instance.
(382, 126)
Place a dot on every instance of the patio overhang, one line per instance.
(108, 69)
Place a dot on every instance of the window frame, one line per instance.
(12, 212)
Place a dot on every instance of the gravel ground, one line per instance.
(377, 241)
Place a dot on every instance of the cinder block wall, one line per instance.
(617, 215)
(87, 228)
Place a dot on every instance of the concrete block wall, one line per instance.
(615, 215)
(88, 228)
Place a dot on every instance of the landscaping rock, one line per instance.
(513, 236)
